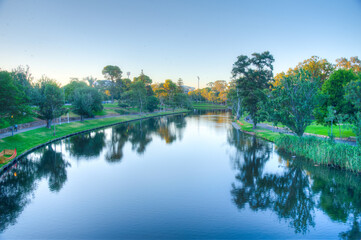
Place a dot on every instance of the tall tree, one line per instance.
(354, 64)
(86, 101)
(333, 90)
(138, 95)
(14, 103)
(51, 100)
(114, 74)
(253, 75)
(294, 100)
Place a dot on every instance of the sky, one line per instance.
(170, 39)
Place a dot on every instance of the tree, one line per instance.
(138, 95)
(152, 103)
(294, 100)
(91, 80)
(333, 90)
(353, 94)
(86, 101)
(353, 64)
(317, 67)
(14, 103)
(70, 88)
(51, 100)
(171, 89)
(252, 76)
(114, 74)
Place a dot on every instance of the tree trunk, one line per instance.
(81, 118)
(48, 123)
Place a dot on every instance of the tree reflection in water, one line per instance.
(86, 145)
(295, 193)
(18, 184)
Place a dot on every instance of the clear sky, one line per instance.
(172, 39)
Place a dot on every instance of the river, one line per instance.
(175, 177)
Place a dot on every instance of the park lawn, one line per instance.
(27, 140)
(27, 119)
(203, 106)
(318, 129)
(115, 104)
(260, 132)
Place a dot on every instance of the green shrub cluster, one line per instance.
(322, 151)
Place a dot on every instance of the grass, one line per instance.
(203, 106)
(27, 119)
(318, 129)
(322, 151)
(259, 132)
(27, 140)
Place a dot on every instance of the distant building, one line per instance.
(187, 89)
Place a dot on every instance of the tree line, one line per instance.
(21, 96)
(314, 90)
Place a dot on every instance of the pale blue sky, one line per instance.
(172, 39)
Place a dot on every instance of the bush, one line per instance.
(322, 151)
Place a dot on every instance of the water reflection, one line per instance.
(18, 184)
(295, 190)
(86, 145)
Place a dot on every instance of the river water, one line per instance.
(177, 177)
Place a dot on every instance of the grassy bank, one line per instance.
(320, 151)
(205, 106)
(27, 140)
(259, 132)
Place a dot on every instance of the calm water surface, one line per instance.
(186, 176)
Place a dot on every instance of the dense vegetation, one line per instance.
(314, 91)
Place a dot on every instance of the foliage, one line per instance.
(86, 101)
(51, 100)
(353, 64)
(322, 151)
(70, 88)
(13, 100)
(113, 74)
(138, 95)
(333, 90)
(253, 76)
(152, 103)
(294, 101)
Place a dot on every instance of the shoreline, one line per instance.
(136, 118)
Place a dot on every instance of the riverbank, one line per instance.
(28, 141)
(209, 106)
(319, 151)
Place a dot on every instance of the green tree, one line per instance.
(51, 100)
(138, 95)
(333, 90)
(86, 101)
(253, 76)
(294, 100)
(70, 88)
(14, 103)
(114, 74)
(152, 103)
(353, 94)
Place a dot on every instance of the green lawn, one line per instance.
(318, 129)
(5, 124)
(203, 106)
(27, 140)
(260, 132)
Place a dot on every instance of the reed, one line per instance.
(322, 151)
